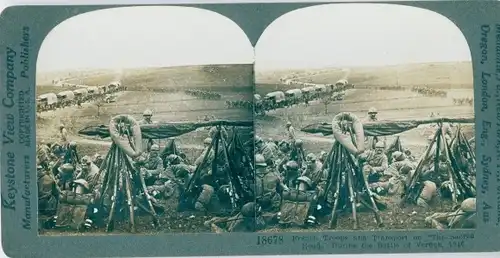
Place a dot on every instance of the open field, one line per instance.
(167, 106)
(436, 75)
(42, 89)
(392, 105)
(222, 78)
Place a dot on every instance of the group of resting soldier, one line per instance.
(281, 166)
(62, 172)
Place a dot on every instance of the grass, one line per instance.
(237, 77)
(43, 89)
(436, 75)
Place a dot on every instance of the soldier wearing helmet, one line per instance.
(47, 192)
(63, 135)
(65, 175)
(409, 155)
(88, 172)
(375, 162)
(245, 221)
(323, 155)
(464, 216)
(428, 192)
(147, 117)
(313, 170)
(97, 159)
(266, 150)
(267, 183)
(297, 152)
(153, 165)
(372, 114)
(290, 132)
(399, 160)
(292, 172)
(44, 154)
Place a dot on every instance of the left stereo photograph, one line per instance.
(143, 128)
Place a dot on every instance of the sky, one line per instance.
(130, 37)
(359, 35)
(335, 35)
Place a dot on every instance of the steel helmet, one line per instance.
(155, 147)
(306, 180)
(398, 156)
(61, 126)
(372, 110)
(173, 158)
(407, 168)
(292, 165)
(66, 168)
(258, 139)
(147, 112)
(468, 205)
(86, 160)
(250, 209)
(298, 143)
(260, 160)
(379, 145)
(207, 141)
(288, 123)
(311, 157)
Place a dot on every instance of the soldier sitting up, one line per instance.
(152, 165)
(375, 162)
(268, 183)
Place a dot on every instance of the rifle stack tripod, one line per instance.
(349, 186)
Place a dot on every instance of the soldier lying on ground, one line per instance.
(464, 216)
(249, 219)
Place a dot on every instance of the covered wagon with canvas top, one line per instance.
(65, 98)
(47, 101)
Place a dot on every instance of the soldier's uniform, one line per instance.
(393, 169)
(265, 150)
(464, 216)
(292, 172)
(65, 176)
(47, 192)
(89, 172)
(409, 155)
(376, 162)
(43, 155)
(372, 117)
(290, 132)
(314, 171)
(428, 191)
(153, 165)
(147, 116)
(267, 183)
(63, 136)
(247, 220)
